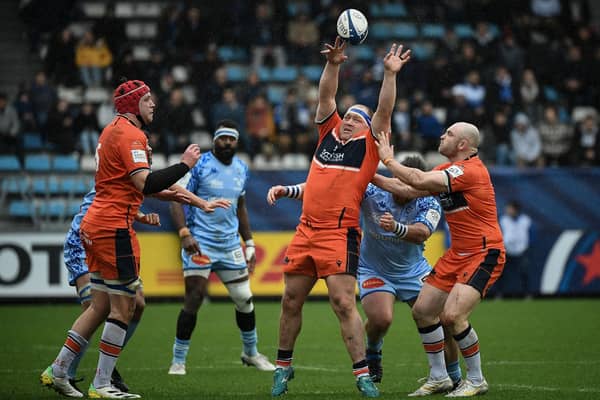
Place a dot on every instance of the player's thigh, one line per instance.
(481, 270)
(298, 256)
(341, 289)
(461, 302)
(296, 289)
(430, 302)
(379, 306)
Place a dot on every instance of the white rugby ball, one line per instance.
(352, 25)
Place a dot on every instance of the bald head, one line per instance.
(468, 131)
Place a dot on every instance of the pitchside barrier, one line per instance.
(563, 259)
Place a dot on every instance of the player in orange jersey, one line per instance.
(473, 262)
(327, 240)
(122, 178)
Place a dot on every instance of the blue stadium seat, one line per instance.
(264, 74)
(422, 51)
(404, 30)
(432, 31)
(21, 209)
(276, 94)
(32, 141)
(236, 73)
(39, 186)
(9, 163)
(380, 31)
(363, 53)
(376, 10)
(284, 74)
(74, 185)
(312, 72)
(232, 54)
(37, 163)
(15, 185)
(394, 10)
(463, 31)
(63, 163)
(52, 209)
(73, 207)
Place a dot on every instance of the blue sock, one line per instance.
(130, 330)
(250, 339)
(72, 372)
(454, 371)
(180, 351)
(374, 349)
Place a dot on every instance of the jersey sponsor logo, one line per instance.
(331, 153)
(372, 283)
(139, 156)
(433, 217)
(455, 171)
(216, 184)
(200, 259)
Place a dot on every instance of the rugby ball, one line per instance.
(352, 26)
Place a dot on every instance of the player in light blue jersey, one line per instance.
(391, 262)
(79, 276)
(211, 242)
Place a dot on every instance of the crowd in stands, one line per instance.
(525, 72)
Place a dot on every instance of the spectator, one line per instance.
(516, 230)
(251, 88)
(501, 137)
(24, 108)
(586, 142)
(43, 96)
(212, 93)
(502, 89)
(511, 55)
(526, 143)
(556, 138)
(203, 70)
(366, 90)
(266, 37)
(401, 124)
(260, 125)
(574, 82)
(87, 129)
(111, 29)
(429, 128)
(59, 63)
(229, 108)
(303, 37)
(530, 94)
(193, 36)
(59, 129)
(92, 57)
(125, 66)
(293, 122)
(9, 125)
(175, 123)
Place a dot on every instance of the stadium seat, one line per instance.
(261, 162)
(580, 112)
(381, 31)
(295, 161)
(141, 52)
(202, 138)
(9, 163)
(264, 74)
(74, 186)
(52, 209)
(232, 54)
(32, 141)
(284, 74)
(362, 53)
(394, 10)
(37, 163)
(236, 73)
(21, 209)
(73, 207)
(422, 51)
(312, 72)
(463, 31)
(432, 31)
(65, 163)
(404, 30)
(93, 9)
(124, 10)
(96, 95)
(276, 93)
(39, 186)
(159, 161)
(87, 163)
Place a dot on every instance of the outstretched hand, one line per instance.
(384, 149)
(275, 192)
(172, 195)
(335, 54)
(210, 206)
(395, 59)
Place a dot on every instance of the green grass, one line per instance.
(534, 349)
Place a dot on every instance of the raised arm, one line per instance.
(328, 84)
(430, 181)
(294, 191)
(393, 62)
(398, 188)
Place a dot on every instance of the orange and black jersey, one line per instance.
(339, 174)
(470, 206)
(121, 153)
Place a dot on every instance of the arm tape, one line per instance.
(400, 230)
(293, 191)
(164, 178)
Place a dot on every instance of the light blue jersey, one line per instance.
(73, 252)
(216, 232)
(388, 263)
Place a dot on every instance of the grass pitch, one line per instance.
(531, 349)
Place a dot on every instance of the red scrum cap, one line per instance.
(127, 96)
